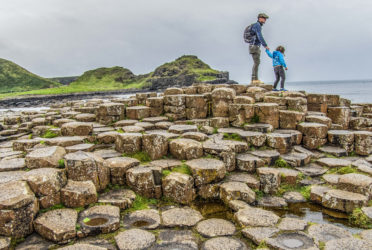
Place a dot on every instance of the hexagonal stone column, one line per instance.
(138, 112)
(141, 180)
(268, 113)
(343, 200)
(118, 167)
(156, 105)
(289, 119)
(57, 225)
(186, 149)
(179, 188)
(342, 138)
(47, 157)
(85, 166)
(234, 190)
(155, 145)
(248, 162)
(357, 183)
(340, 116)
(128, 143)
(221, 98)
(78, 193)
(76, 128)
(363, 142)
(108, 113)
(18, 207)
(314, 134)
(135, 239)
(281, 142)
(196, 107)
(269, 179)
(206, 171)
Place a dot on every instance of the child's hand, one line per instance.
(286, 68)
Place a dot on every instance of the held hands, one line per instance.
(286, 68)
(267, 48)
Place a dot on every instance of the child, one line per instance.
(279, 65)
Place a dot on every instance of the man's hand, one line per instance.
(286, 68)
(267, 48)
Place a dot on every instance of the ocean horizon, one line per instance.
(358, 91)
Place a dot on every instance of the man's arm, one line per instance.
(259, 35)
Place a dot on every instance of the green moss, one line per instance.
(61, 163)
(57, 206)
(262, 245)
(189, 123)
(281, 163)
(259, 194)
(304, 190)
(358, 218)
(183, 169)
(86, 219)
(120, 130)
(15, 241)
(42, 142)
(77, 227)
(143, 157)
(215, 131)
(141, 203)
(79, 209)
(343, 170)
(321, 245)
(233, 136)
(255, 119)
(30, 136)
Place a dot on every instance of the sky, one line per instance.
(324, 39)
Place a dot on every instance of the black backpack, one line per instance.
(248, 34)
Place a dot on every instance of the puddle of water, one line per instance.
(292, 243)
(96, 221)
(213, 209)
(140, 223)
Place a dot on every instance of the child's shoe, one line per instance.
(283, 89)
(274, 90)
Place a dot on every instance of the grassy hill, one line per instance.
(14, 78)
(102, 79)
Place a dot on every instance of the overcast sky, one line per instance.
(324, 39)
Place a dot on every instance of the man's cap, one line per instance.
(263, 15)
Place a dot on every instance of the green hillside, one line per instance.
(14, 78)
(102, 79)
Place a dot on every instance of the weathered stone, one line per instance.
(86, 117)
(269, 156)
(87, 147)
(179, 187)
(363, 142)
(123, 198)
(215, 227)
(348, 244)
(18, 207)
(76, 128)
(207, 171)
(155, 145)
(248, 179)
(107, 137)
(57, 225)
(118, 167)
(331, 179)
(343, 200)
(24, 144)
(333, 162)
(256, 139)
(292, 224)
(209, 191)
(134, 239)
(85, 166)
(12, 164)
(281, 142)
(186, 149)
(195, 136)
(319, 119)
(363, 166)
(342, 138)
(336, 151)
(141, 180)
(315, 130)
(294, 197)
(128, 143)
(181, 217)
(176, 239)
(259, 127)
(239, 114)
(340, 116)
(144, 219)
(317, 193)
(137, 112)
(327, 232)
(259, 234)
(289, 119)
(357, 183)
(224, 243)
(45, 157)
(268, 113)
(236, 191)
(269, 179)
(107, 153)
(65, 141)
(248, 162)
(256, 217)
(78, 193)
(291, 240)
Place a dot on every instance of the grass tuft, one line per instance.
(359, 219)
(143, 157)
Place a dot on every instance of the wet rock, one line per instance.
(317, 193)
(236, 205)
(272, 201)
(76, 128)
(293, 240)
(18, 207)
(363, 142)
(78, 193)
(118, 167)
(186, 149)
(294, 197)
(348, 244)
(292, 224)
(269, 156)
(85, 166)
(12, 164)
(333, 162)
(99, 219)
(259, 234)
(181, 217)
(343, 200)
(256, 217)
(269, 179)
(327, 232)
(206, 171)
(123, 198)
(236, 191)
(141, 180)
(128, 143)
(47, 157)
(155, 145)
(57, 225)
(144, 219)
(248, 179)
(179, 187)
(357, 183)
(134, 239)
(223, 243)
(215, 227)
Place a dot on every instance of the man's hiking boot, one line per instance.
(256, 82)
(283, 89)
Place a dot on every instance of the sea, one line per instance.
(358, 91)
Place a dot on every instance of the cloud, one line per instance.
(324, 39)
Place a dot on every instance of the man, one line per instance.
(253, 36)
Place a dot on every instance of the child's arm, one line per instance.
(269, 53)
(282, 61)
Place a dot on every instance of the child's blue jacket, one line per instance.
(278, 58)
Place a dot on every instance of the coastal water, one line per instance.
(356, 90)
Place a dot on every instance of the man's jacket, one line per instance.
(278, 58)
(257, 35)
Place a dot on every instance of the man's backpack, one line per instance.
(248, 34)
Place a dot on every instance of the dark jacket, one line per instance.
(258, 38)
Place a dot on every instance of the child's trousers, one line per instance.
(279, 75)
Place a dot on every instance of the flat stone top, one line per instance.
(12, 164)
(11, 176)
(164, 133)
(137, 107)
(130, 135)
(203, 163)
(340, 132)
(166, 163)
(266, 153)
(215, 227)
(139, 170)
(15, 194)
(183, 128)
(79, 246)
(155, 119)
(76, 124)
(107, 210)
(121, 162)
(287, 131)
(81, 156)
(366, 133)
(181, 217)
(134, 239)
(356, 179)
(256, 217)
(224, 243)
(125, 123)
(327, 232)
(45, 152)
(58, 220)
(281, 135)
(349, 244)
(346, 195)
(311, 125)
(333, 162)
